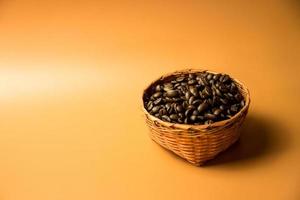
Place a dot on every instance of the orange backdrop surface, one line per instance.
(71, 79)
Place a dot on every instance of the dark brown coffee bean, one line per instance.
(188, 112)
(194, 91)
(157, 94)
(188, 95)
(166, 118)
(173, 117)
(179, 108)
(218, 92)
(168, 86)
(234, 108)
(196, 112)
(224, 101)
(196, 102)
(202, 107)
(180, 78)
(217, 111)
(192, 82)
(172, 93)
(158, 88)
(149, 105)
(193, 118)
(208, 122)
(191, 100)
(209, 76)
(216, 77)
(155, 109)
(157, 101)
(209, 116)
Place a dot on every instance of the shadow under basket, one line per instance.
(196, 143)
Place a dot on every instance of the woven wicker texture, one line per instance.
(196, 143)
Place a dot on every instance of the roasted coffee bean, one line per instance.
(191, 100)
(157, 94)
(192, 82)
(150, 105)
(209, 76)
(180, 79)
(217, 111)
(202, 107)
(188, 112)
(158, 88)
(193, 118)
(196, 112)
(209, 116)
(173, 117)
(194, 98)
(165, 118)
(234, 108)
(172, 93)
(194, 91)
(157, 101)
(179, 108)
(208, 122)
(196, 102)
(155, 109)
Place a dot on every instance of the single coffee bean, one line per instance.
(155, 109)
(202, 107)
(166, 118)
(157, 101)
(157, 94)
(172, 93)
(209, 116)
(193, 118)
(158, 88)
(180, 78)
(188, 112)
(194, 91)
(150, 105)
(217, 111)
(192, 82)
(173, 117)
(191, 99)
(179, 108)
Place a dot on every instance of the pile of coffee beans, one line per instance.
(195, 98)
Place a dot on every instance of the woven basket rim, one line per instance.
(202, 126)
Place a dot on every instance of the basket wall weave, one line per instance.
(196, 143)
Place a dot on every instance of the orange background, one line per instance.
(71, 78)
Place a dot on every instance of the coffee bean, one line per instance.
(157, 94)
(191, 100)
(194, 91)
(157, 101)
(180, 79)
(202, 107)
(166, 118)
(172, 93)
(193, 118)
(192, 82)
(217, 111)
(155, 109)
(234, 108)
(209, 116)
(179, 108)
(209, 76)
(158, 88)
(188, 112)
(173, 117)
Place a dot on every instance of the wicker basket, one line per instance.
(196, 143)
